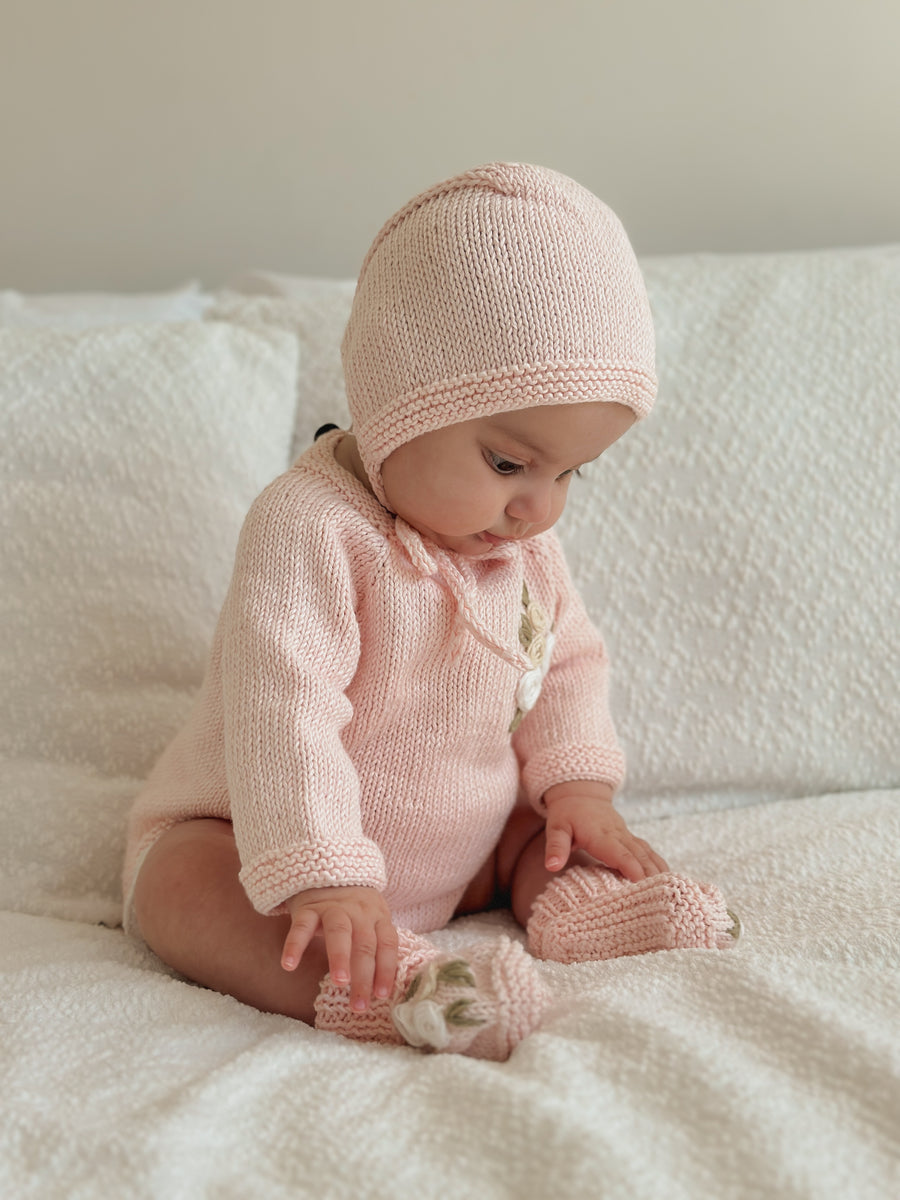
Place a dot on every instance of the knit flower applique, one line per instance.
(536, 638)
(421, 1019)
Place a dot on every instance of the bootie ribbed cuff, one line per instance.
(591, 913)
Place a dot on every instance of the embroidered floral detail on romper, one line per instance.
(536, 638)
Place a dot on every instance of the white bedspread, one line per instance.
(769, 1070)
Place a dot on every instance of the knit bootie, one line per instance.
(481, 1002)
(592, 913)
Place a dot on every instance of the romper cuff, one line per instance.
(273, 878)
(561, 764)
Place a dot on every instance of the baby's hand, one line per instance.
(580, 815)
(360, 938)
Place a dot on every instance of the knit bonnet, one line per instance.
(506, 287)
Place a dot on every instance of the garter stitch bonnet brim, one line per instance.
(506, 287)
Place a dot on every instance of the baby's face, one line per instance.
(472, 486)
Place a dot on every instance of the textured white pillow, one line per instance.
(128, 458)
(740, 548)
(315, 311)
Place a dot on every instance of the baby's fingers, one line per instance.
(634, 859)
(386, 961)
(301, 933)
(647, 858)
(660, 866)
(373, 963)
(558, 847)
(338, 930)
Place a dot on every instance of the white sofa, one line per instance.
(740, 551)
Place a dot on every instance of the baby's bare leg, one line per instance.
(193, 912)
(514, 874)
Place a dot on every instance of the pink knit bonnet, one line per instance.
(505, 287)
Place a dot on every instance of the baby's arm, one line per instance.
(581, 816)
(290, 648)
(570, 730)
(360, 938)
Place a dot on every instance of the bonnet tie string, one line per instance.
(440, 565)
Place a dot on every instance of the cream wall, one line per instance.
(147, 141)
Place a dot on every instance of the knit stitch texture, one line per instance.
(590, 913)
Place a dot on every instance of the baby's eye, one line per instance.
(502, 465)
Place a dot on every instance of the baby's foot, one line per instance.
(591, 913)
(481, 1002)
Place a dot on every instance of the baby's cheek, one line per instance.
(560, 504)
(555, 513)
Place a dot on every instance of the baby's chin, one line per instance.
(467, 545)
(479, 545)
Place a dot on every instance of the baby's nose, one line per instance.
(532, 504)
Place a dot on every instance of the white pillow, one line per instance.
(315, 311)
(128, 458)
(81, 310)
(740, 547)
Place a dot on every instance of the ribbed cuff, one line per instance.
(563, 764)
(273, 878)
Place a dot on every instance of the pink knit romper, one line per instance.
(354, 722)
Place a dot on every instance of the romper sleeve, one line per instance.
(569, 733)
(291, 645)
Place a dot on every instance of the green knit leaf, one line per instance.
(457, 974)
(455, 1014)
(526, 630)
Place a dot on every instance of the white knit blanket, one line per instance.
(767, 1071)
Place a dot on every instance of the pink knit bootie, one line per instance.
(592, 913)
(481, 1002)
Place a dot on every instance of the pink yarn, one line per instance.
(505, 287)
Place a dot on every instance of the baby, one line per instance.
(404, 716)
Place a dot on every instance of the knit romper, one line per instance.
(363, 719)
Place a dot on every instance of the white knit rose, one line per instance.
(532, 681)
(537, 617)
(421, 1023)
(529, 689)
